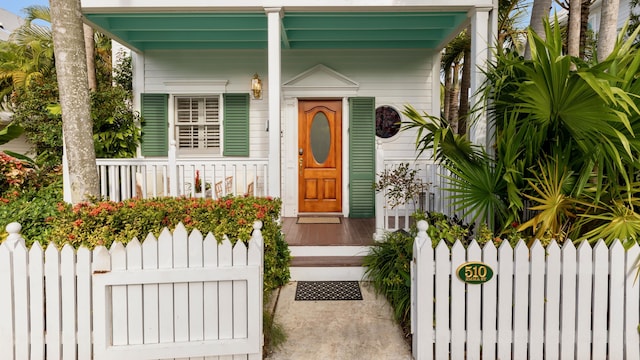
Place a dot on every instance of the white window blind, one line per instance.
(198, 123)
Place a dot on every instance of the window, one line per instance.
(387, 122)
(198, 123)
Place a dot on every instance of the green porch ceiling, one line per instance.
(300, 30)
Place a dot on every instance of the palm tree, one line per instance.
(608, 28)
(68, 39)
(565, 144)
(539, 12)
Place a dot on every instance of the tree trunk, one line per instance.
(465, 86)
(584, 26)
(447, 92)
(539, 12)
(71, 70)
(608, 28)
(454, 96)
(90, 49)
(573, 30)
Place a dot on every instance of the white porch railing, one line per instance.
(434, 198)
(122, 179)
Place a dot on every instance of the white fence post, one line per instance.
(380, 210)
(422, 299)
(173, 169)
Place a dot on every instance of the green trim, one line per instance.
(154, 111)
(362, 157)
(300, 30)
(236, 125)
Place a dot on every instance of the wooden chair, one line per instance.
(218, 189)
(228, 185)
(250, 189)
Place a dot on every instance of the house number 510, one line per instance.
(474, 272)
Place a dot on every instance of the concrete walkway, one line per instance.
(349, 330)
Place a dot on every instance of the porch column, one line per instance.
(483, 34)
(274, 95)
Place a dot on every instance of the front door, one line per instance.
(320, 156)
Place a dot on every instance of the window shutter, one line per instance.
(362, 157)
(236, 125)
(155, 124)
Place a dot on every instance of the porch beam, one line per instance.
(274, 95)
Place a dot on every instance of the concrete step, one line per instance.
(327, 263)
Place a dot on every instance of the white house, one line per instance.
(304, 94)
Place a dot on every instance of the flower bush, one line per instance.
(103, 222)
(15, 173)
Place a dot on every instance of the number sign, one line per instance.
(474, 272)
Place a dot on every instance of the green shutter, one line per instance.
(155, 124)
(362, 154)
(236, 125)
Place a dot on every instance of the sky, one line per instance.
(16, 6)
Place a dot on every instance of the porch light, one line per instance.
(256, 87)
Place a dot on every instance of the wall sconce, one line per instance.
(256, 87)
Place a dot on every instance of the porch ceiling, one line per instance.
(300, 30)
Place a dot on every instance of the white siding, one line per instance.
(394, 77)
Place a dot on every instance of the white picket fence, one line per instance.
(553, 303)
(180, 296)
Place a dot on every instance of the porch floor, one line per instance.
(350, 232)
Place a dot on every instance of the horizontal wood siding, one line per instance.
(393, 77)
(236, 67)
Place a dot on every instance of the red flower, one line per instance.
(515, 224)
(77, 222)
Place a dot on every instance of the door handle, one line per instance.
(300, 151)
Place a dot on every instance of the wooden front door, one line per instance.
(320, 156)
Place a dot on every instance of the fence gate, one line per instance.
(178, 297)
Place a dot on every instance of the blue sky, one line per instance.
(16, 6)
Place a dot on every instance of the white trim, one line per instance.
(189, 87)
(338, 273)
(274, 56)
(303, 84)
(329, 250)
(345, 155)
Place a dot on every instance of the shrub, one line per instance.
(103, 222)
(388, 265)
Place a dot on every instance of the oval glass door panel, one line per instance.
(320, 137)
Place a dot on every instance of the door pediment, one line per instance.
(320, 80)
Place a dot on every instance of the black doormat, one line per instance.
(328, 290)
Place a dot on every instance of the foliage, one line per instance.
(565, 144)
(443, 227)
(15, 174)
(30, 197)
(116, 133)
(400, 185)
(388, 265)
(43, 128)
(103, 222)
(123, 72)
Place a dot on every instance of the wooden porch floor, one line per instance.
(350, 232)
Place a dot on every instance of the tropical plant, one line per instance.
(400, 185)
(565, 143)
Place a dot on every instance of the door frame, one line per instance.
(340, 155)
(290, 153)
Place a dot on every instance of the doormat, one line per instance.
(318, 220)
(328, 290)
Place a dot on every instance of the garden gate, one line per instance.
(180, 296)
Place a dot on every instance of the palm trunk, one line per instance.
(465, 86)
(608, 28)
(447, 92)
(71, 70)
(539, 11)
(573, 31)
(453, 98)
(90, 49)
(584, 25)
